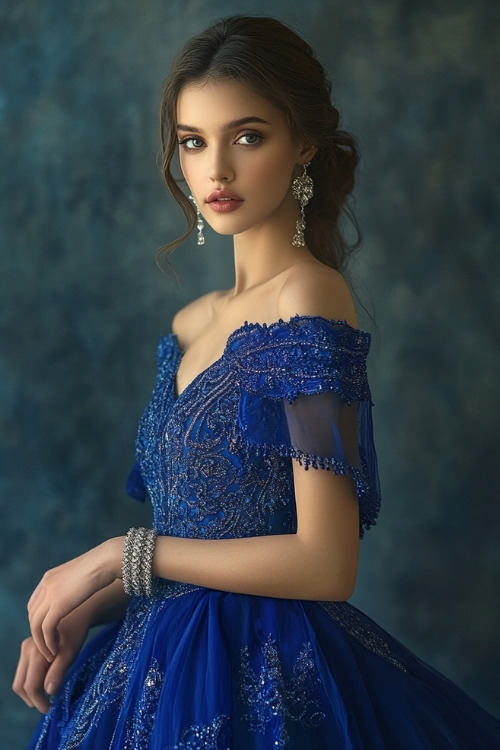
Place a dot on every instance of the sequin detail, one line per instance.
(305, 355)
(164, 590)
(140, 724)
(360, 628)
(213, 736)
(273, 697)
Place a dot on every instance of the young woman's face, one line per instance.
(237, 156)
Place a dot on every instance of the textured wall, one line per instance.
(82, 211)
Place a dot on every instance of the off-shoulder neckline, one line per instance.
(248, 327)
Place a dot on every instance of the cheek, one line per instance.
(190, 167)
(275, 178)
(272, 172)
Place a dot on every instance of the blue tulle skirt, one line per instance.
(195, 669)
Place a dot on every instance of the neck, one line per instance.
(261, 255)
(266, 250)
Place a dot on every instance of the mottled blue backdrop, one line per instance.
(82, 211)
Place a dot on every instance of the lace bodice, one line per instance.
(217, 461)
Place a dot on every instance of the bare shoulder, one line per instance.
(311, 288)
(192, 319)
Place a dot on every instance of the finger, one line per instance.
(40, 631)
(58, 669)
(38, 697)
(29, 677)
(39, 640)
(51, 633)
(44, 621)
(19, 680)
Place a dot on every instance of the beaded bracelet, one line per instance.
(138, 560)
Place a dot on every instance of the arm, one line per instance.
(318, 562)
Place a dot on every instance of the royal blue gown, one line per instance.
(191, 668)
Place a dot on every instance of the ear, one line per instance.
(307, 153)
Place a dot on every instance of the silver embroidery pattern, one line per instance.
(271, 695)
(140, 724)
(191, 466)
(213, 736)
(356, 625)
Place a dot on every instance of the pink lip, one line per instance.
(223, 201)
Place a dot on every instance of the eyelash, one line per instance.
(259, 138)
(183, 143)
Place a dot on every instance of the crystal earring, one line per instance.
(200, 226)
(302, 190)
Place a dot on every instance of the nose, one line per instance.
(220, 169)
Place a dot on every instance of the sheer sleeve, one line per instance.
(323, 428)
(304, 394)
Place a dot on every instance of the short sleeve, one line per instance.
(135, 486)
(304, 394)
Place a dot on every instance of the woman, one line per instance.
(256, 451)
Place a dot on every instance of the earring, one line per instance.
(200, 226)
(302, 190)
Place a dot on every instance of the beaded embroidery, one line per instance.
(304, 355)
(270, 694)
(213, 736)
(140, 724)
(353, 622)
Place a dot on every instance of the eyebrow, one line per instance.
(228, 126)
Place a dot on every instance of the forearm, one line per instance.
(283, 566)
(318, 562)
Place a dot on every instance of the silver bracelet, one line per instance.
(138, 560)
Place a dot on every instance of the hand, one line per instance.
(35, 677)
(65, 588)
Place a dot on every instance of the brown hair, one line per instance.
(280, 66)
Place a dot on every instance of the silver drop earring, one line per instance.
(302, 190)
(200, 226)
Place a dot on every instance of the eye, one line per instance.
(191, 144)
(249, 139)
